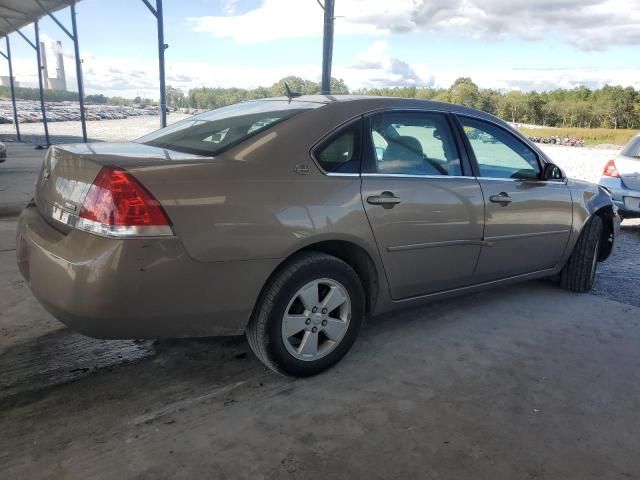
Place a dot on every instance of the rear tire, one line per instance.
(579, 273)
(296, 299)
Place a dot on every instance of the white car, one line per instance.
(621, 177)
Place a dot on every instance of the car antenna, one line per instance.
(291, 94)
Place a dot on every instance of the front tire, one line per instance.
(308, 316)
(579, 273)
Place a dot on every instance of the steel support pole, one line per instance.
(76, 47)
(161, 49)
(157, 12)
(13, 91)
(327, 46)
(39, 56)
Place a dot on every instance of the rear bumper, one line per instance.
(142, 288)
(618, 192)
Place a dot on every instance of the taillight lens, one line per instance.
(610, 169)
(120, 206)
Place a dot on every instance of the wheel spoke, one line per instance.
(294, 324)
(309, 344)
(334, 329)
(333, 299)
(309, 296)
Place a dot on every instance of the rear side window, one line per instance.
(500, 154)
(340, 153)
(212, 132)
(632, 149)
(413, 143)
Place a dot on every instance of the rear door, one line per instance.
(424, 205)
(527, 220)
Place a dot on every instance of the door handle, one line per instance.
(385, 200)
(502, 198)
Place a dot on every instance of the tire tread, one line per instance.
(576, 274)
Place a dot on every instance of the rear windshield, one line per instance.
(212, 132)
(632, 149)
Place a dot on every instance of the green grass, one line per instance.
(592, 136)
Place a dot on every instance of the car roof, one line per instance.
(368, 103)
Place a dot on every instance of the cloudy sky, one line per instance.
(502, 44)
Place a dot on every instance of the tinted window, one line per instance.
(499, 153)
(212, 132)
(341, 152)
(413, 144)
(632, 148)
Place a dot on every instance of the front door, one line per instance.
(527, 220)
(426, 215)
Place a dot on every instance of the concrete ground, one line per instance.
(522, 382)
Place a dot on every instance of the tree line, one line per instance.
(607, 107)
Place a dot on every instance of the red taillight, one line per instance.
(117, 204)
(610, 169)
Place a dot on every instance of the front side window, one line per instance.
(212, 132)
(341, 152)
(500, 154)
(413, 144)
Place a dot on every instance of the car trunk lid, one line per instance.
(629, 171)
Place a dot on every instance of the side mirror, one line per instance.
(552, 172)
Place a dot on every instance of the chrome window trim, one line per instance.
(526, 180)
(330, 174)
(409, 175)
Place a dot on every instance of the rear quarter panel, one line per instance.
(250, 203)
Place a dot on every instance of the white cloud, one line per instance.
(586, 24)
(377, 68)
(278, 19)
(130, 77)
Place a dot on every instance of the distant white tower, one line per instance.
(45, 70)
(59, 82)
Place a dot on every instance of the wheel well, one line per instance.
(358, 259)
(606, 239)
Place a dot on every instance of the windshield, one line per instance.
(632, 149)
(212, 132)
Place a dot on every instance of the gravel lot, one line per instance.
(583, 163)
(102, 130)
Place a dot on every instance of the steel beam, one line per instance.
(53, 17)
(26, 39)
(13, 91)
(36, 47)
(157, 12)
(161, 48)
(76, 47)
(327, 46)
(39, 56)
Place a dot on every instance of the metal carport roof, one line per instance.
(15, 14)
